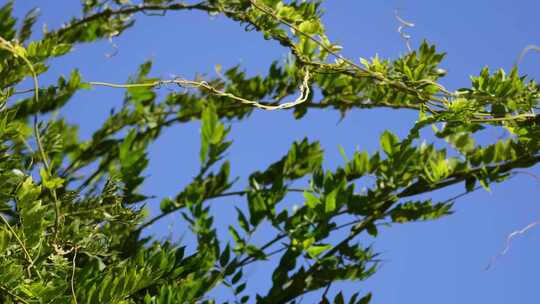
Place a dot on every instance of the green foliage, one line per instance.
(71, 226)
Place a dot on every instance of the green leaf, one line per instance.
(255, 252)
(61, 49)
(240, 288)
(236, 236)
(225, 255)
(330, 201)
(358, 166)
(242, 220)
(485, 184)
(141, 94)
(372, 229)
(29, 20)
(389, 143)
(310, 27)
(7, 22)
(338, 299)
(365, 299)
(419, 210)
(362, 162)
(311, 200)
(343, 154)
(50, 182)
(237, 277)
(257, 207)
(212, 130)
(470, 183)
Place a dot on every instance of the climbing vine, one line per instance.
(71, 209)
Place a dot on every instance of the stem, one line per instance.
(246, 260)
(49, 172)
(21, 243)
(73, 294)
(13, 295)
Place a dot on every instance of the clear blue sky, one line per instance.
(433, 262)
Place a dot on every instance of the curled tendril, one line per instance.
(527, 49)
(403, 25)
(188, 84)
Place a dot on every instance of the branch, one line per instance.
(424, 187)
(135, 9)
(235, 193)
(418, 188)
(359, 70)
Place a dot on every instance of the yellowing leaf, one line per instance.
(315, 250)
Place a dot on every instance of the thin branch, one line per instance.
(524, 116)
(278, 238)
(132, 10)
(424, 187)
(226, 194)
(25, 91)
(462, 195)
(323, 296)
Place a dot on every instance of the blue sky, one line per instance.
(432, 262)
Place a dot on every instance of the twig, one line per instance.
(452, 199)
(23, 91)
(134, 9)
(326, 291)
(247, 261)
